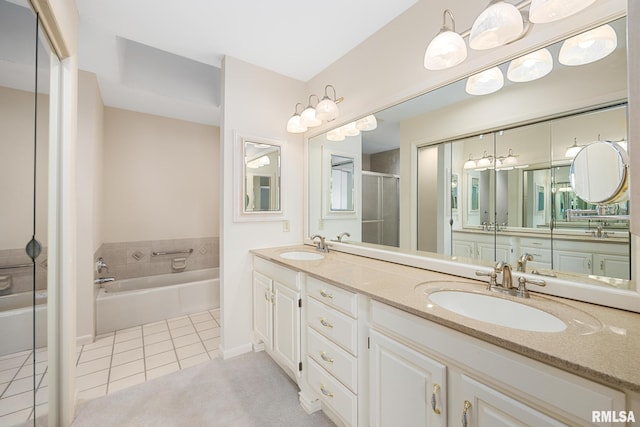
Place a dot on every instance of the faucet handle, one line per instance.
(522, 285)
(492, 277)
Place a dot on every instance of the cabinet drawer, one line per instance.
(333, 296)
(335, 360)
(332, 393)
(277, 272)
(338, 327)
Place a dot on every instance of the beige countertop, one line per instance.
(608, 351)
(614, 236)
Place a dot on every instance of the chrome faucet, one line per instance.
(342, 235)
(321, 245)
(505, 269)
(103, 280)
(100, 265)
(507, 281)
(522, 262)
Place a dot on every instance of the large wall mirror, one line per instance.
(498, 177)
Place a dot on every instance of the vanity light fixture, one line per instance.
(308, 116)
(327, 108)
(350, 129)
(509, 162)
(530, 67)
(485, 162)
(485, 82)
(544, 11)
(259, 162)
(572, 150)
(447, 49)
(469, 164)
(335, 135)
(500, 23)
(294, 125)
(367, 123)
(589, 46)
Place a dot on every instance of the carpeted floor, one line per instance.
(248, 390)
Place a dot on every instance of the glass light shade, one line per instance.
(510, 161)
(497, 25)
(367, 123)
(446, 50)
(484, 163)
(335, 135)
(486, 82)
(294, 125)
(469, 164)
(572, 151)
(309, 119)
(589, 46)
(531, 66)
(350, 129)
(544, 11)
(327, 109)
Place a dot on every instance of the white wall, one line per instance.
(255, 102)
(160, 178)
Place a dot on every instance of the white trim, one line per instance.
(236, 351)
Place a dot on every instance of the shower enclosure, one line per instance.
(380, 208)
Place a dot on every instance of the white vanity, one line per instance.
(376, 351)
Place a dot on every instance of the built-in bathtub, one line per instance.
(131, 302)
(16, 321)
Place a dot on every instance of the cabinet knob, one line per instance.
(325, 391)
(434, 399)
(325, 294)
(326, 358)
(326, 324)
(465, 413)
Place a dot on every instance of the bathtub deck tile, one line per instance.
(162, 370)
(194, 360)
(190, 350)
(94, 365)
(127, 356)
(122, 336)
(125, 382)
(182, 331)
(127, 345)
(126, 370)
(97, 353)
(201, 317)
(186, 340)
(155, 328)
(159, 347)
(95, 379)
(160, 359)
(154, 338)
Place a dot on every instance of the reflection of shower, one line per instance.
(380, 208)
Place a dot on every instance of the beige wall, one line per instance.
(160, 178)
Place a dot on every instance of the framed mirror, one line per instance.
(258, 179)
(516, 197)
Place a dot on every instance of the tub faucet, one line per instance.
(100, 265)
(103, 280)
(522, 262)
(321, 245)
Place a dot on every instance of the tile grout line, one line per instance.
(2, 395)
(200, 338)
(175, 351)
(113, 346)
(144, 354)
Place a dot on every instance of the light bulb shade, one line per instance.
(484, 162)
(327, 109)
(469, 164)
(350, 129)
(572, 151)
(510, 161)
(544, 11)
(309, 119)
(294, 125)
(367, 123)
(589, 46)
(446, 50)
(335, 135)
(497, 25)
(530, 67)
(486, 82)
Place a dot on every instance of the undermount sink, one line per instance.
(302, 256)
(496, 310)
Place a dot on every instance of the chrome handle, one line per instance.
(266, 295)
(325, 294)
(325, 391)
(523, 281)
(326, 358)
(465, 411)
(588, 264)
(602, 265)
(434, 406)
(326, 324)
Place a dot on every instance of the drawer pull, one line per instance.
(325, 294)
(326, 324)
(465, 411)
(325, 391)
(326, 358)
(434, 401)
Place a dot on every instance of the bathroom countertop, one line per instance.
(608, 355)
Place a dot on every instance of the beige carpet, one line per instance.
(248, 390)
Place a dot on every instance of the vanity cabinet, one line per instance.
(425, 368)
(276, 313)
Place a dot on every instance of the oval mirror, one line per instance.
(599, 173)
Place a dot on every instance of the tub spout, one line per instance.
(102, 280)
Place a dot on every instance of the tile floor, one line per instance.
(112, 362)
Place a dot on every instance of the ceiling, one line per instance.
(163, 57)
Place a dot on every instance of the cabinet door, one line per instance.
(262, 309)
(486, 251)
(611, 266)
(286, 326)
(487, 407)
(407, 388)
(572, 262)
(463, 249)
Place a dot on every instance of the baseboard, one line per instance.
(84, 339)
(258, 347)
(309, 405)
(236, 351)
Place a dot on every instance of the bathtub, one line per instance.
(16, 321)
(132, 302)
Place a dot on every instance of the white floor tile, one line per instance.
(92, 393)
(126, 336)
(19, 386)
(42, 395)
(8, 374)
(194, 360)
(212, 344)
(203, 326)
(41, 410)
(15, 418)
(131, 329)
(126, 370)
(3, 387)
(92, 366)
(154, 328)
(127, 345)
(162, 370)
(27, 370)
(127, 356)
(42, 355)
(160, 347)
(179, 322)
(209, 333)
(214, 354)
(152, 362)
(44, 382)
(95, 379)
(14, 355)
(105, 335)
(14, 362)
(189, 351)
(97, 353)
(200, 317)
(184, 330)
(126, 382)
(16, 403)
(99, 342)
(186, 340)
(161, 336)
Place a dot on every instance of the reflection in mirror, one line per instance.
(261, 177)
(342, 183)
(504, 160)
